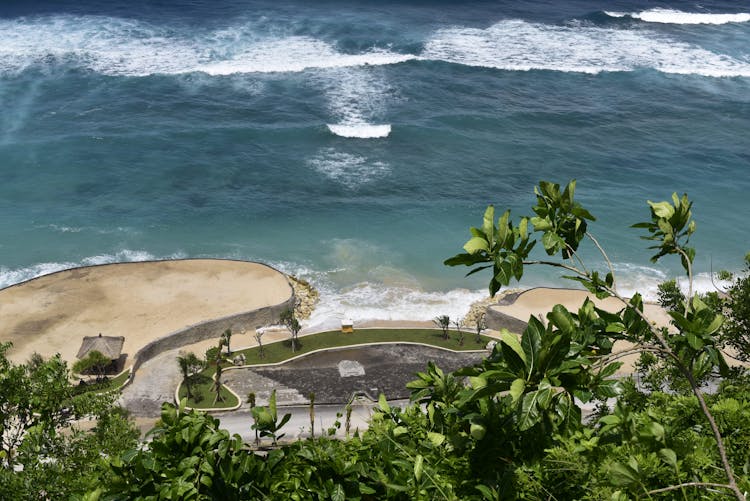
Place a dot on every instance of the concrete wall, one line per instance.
(497, 320)
(211, 329)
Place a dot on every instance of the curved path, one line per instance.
(142, 301)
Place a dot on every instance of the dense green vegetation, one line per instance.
(510, 427)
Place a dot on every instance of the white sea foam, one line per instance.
(360, 130)
(520, 46)
(348, 169)
(356, 97)
(670, 16)
(372, 301)
(10, 276)
(295, 54)
(116, 46)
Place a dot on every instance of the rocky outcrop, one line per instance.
(306, 297)
(494, 319)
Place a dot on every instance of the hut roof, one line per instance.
(109, 346)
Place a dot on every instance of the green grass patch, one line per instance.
(280, 351)
(203, 395)
(114, 383)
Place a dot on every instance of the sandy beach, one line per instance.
(537, 302)
(141, 301)
(148, 300)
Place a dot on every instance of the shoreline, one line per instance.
(142, 301)
(147, 301)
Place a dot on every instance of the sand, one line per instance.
(141, 301)
(537, 302)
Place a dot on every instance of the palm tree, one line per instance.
(225, 338)
(444, 322)
(189, 365)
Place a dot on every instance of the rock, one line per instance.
(479, 308)
(306, 296)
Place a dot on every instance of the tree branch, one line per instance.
(559, 265)
(689, 484)
(606, 257)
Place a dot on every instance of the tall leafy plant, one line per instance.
(572, 355)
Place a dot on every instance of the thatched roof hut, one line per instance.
(109, 346)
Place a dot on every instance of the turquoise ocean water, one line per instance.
(353, 143)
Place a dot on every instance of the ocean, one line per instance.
(354, 143)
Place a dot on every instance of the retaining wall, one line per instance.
(211, 329)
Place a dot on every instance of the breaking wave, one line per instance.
(521, 46)
(669, 16)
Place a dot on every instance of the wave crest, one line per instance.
(521, 46)
(669, 16)
(363, 131)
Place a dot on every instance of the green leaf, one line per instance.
(477, 431)
(523, 230)
(418, 466)
(511, 341)
(669, 457)
(476, 244)
(550, 241)
(622, 474)
(561, 318)
(486, 492)
(383, 403)
(516, 389)
(338, 493)
(662, 209)
(488, 222)
(694, 341)
(436, 439)
(531, 342)
(541, 224)
(610, 420)
(400, 430)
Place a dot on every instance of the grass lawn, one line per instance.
(281, 350)
(114, 383)
(206, 396)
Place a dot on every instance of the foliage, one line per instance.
(190, 365)
(693, 351)
(444, 322)
(479, 326)
(289, 319)
(44, 452)
(94, 362)
(736, 332)
(226, 337)
(511, 426)
(266, 420)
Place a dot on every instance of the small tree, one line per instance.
(226, 337)
(267, 420)
(480, 325)
(289, 319)
(312, 414)
(189, 366)
(217, 386)
(251, 402)
(95, 362)
(213, 355)
(444, 322)
(459, 323)
(258, 338)
(736, 331)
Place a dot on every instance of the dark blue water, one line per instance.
(355, 143)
